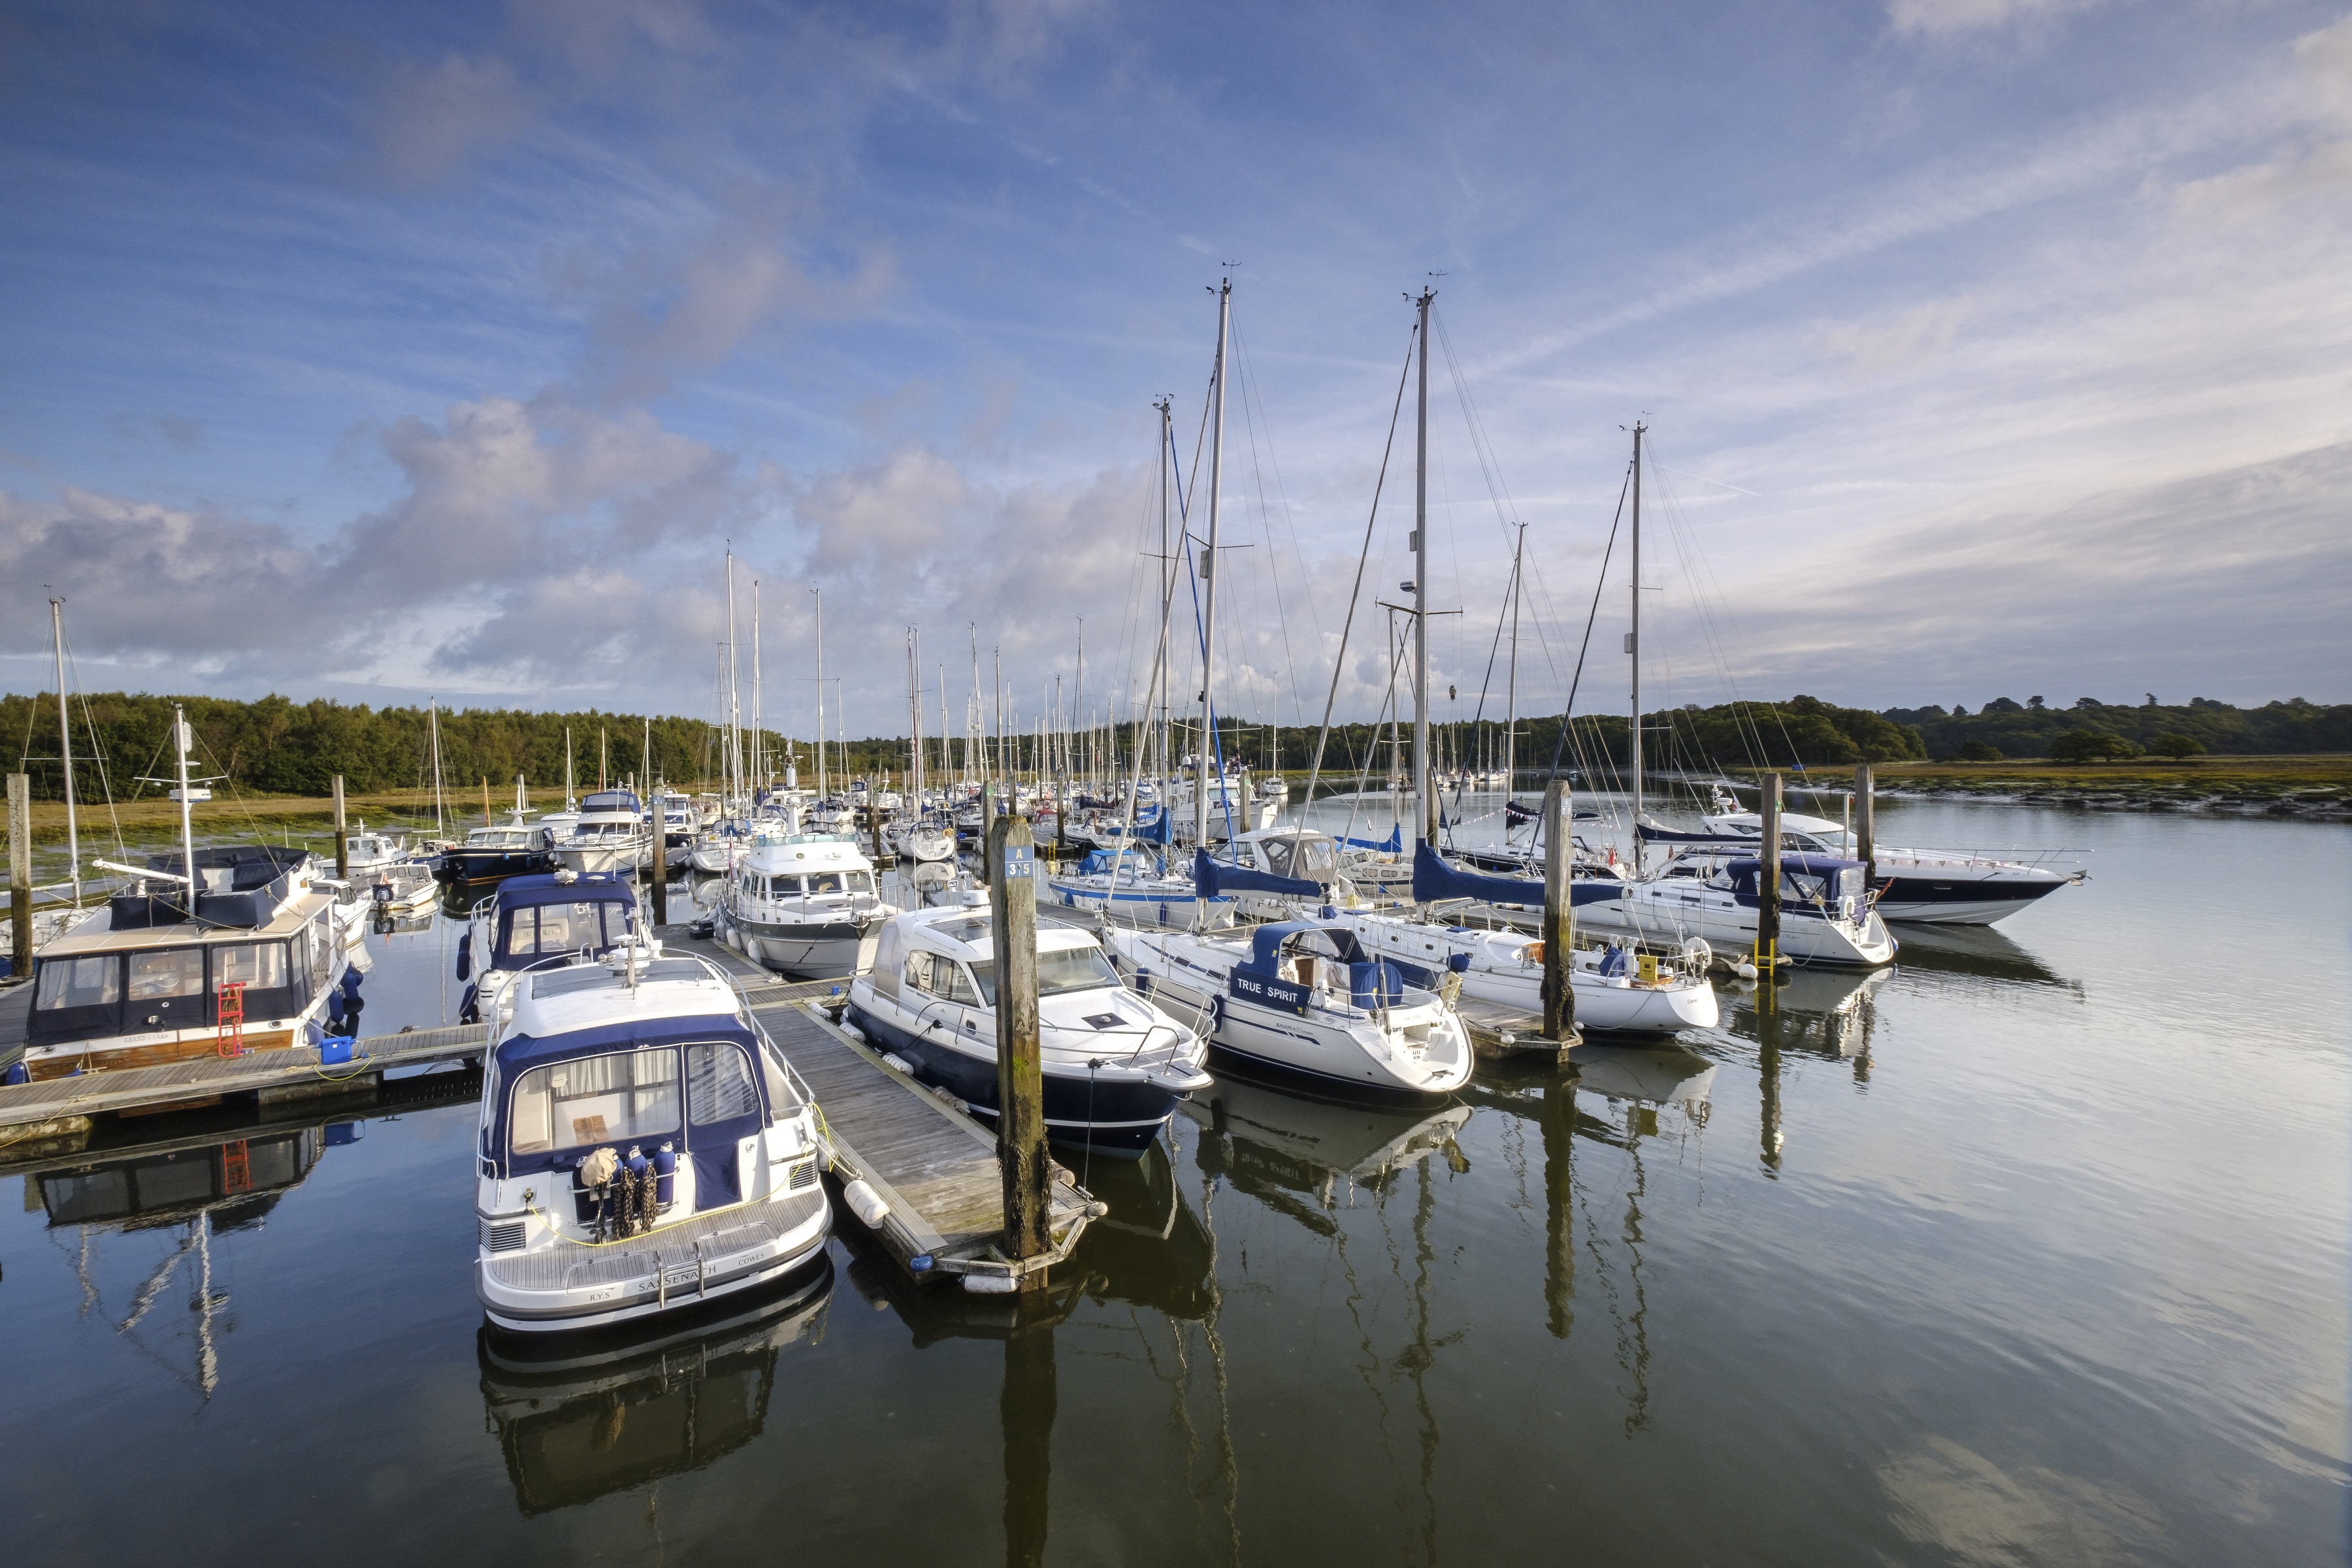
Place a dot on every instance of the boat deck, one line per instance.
(935, 1166)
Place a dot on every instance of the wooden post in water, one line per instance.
(1025, 1412)
(1559, 996)
(1767, 883)
(343, 835)
(661, 865)
(20, 872)
(1866, 824)
(1020, 1067)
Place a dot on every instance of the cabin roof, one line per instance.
(968, 934)
(546, 888)
(591, 1007)
(97, 934)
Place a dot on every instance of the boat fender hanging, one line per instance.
(866, 1204)
(990, 1284)
(666, 1176)
(465, 956)
(596, 1168)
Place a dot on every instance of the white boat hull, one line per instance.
(1666, 912)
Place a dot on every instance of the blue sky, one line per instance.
(1990, 347)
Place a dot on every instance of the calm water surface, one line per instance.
(2031, 1249)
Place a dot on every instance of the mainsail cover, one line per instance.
(1434, 881)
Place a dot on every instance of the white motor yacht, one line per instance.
(366, 851)
(540, 922)
(643, 1147)
(1303, 995)
(806, 905)
(612, 835)
(1115, 1064)
(1944, 887)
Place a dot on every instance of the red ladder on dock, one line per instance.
(230, 1041)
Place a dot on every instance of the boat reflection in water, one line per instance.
(1823, 1012)
(1651, 1076)
(1278, 1145)
(1975, 954)
(584, 1415)
(208, 1190)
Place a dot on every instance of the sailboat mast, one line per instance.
(65, 751)
(567, 768)
(946, 766)
(975, 749)
(187, 827)
(1155, 711)
(1425, 810)
(759, 735)
(1511, 686)
(734, 702)
(433, 717)
(1209, 575)
(820, 692)
(1634, 646)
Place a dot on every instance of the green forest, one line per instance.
(277, 746)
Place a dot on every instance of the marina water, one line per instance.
(2028, 1250)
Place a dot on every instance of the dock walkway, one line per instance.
(935, 1166)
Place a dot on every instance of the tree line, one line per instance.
(277, 746)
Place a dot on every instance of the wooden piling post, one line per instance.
(343, 835)
(1559, 995)
(1767, 882)
(661, 864)
(1866, 824)
(20, 872)
(1020, 1067)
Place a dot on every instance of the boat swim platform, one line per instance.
(60, 1109)
(933, 1164)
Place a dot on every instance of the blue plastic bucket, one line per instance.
(333, 1050)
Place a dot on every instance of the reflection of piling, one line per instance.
(1020, 1066)
(1025, 1409)
(1559, 996)
(1559, 1123)
(1768, 884)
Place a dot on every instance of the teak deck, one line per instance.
(935, 1166)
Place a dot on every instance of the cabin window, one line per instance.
(948, 979)
(1797, 887)
(919, 970)
(261, 966)
(861, 881)
(567, 928)
(719, 1085)
(1066, 969)
(1277, 855)
(825, 882)
(173, 972)
(1318, 857)
(617, 1099)
(80, 983)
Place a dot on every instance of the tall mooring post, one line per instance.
(1558, 919)
(20, 873)
(1767, 883)
(343, 835)
(1865, 824)
(1020, 1067)
(661, 863)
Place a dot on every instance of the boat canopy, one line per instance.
(1212, 878)
(623, 1088)
(523, 932)
(1805, 879)
(609, 800)
(240, 885)
(1649, 835)
(1269, 941)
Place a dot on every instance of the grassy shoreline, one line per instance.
(2309, 785)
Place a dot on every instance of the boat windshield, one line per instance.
(1066, 969)
(617, 1098)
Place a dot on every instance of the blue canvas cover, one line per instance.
(1392, 845)
(1434, 881)
(1212, 878)
(1266, 943)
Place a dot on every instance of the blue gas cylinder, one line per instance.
(666, 1176)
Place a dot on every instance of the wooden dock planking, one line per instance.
(133, 1089)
